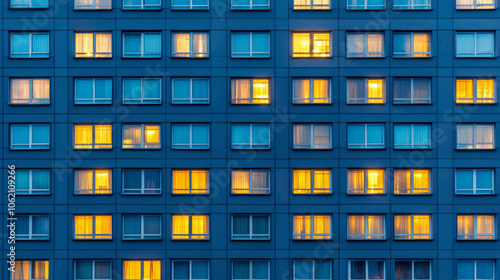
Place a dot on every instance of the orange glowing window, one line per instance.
(250, 91)
(254, 181)
(311, 4)
(412, 181)
(476, 227)
(312, 227)
(93, 45)
(190, 44)
(189, 226)
(311, 44)
(414, 226)
(366, 227)
(312, 181)
(142, 270)
(475, 91)
(92, 136)
(190, 181)
(93, 227)
(30, 270)
(366, 181)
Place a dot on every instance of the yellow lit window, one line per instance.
(190, 44)
(311, 44)
(190, 182)
(365, 90)
(414, 226)
(311, 4)
(411, 181)
(311, 181)
(93, 45)
(31, 270)
(93, 227)
(366, 227)
(250, 91)
(92, 136)
(311, 227)
(412, 44)
(475, 226)
(142, 270)
(141, 136)
(250, 181)
(311, 90)
(95, 181)
(189, 226)
(475, 91)
(366, 181)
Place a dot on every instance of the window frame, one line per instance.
(366, 53)
(30, 235)
(250, 182)
(93, 235)
(412, 186)
(477, 6)
(312, 143)
(93, 144)
(142, 266)
(313, 267)
(141, 7)
(412, 100)
(412, 261)
(475, 54)
(366, 99)
(142, 235)
(190, 144)
(366, 145)
(313, 190)
(475, 261)
(30, 144)
(30, 5)
(311, 6)
(412, 53)
(412, 144)
(311, 92)
(94, 191)
(30, 267)
(251, 145)
(93, 268)
(250, 236)
(191, 99)
(190, 268)
(93, 6)
(250, 6)
(475, 235)
(30, 53)
(142, 100)
(31, 99)
(206, 236)
(251, 98)
(367, 236)
(143, 138)
(142, 190)
(94, 42)
(475, 99)
(365, 6)
(94, 98)
(366, 261)
(251, 53)
(190, 190)
(191, 53)
(474, 137)
(312, 236)
(365, 176)
(474, 181)
(31, 190)
(412, 236)
(311, 45)
(190, 7)
(142, 53)
(411, 6)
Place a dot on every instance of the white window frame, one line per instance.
(30, 276)
(191, 145)
(190, 269)
(366, 99)
(313, 268)
(475, 53)
(365, 175)
(142, 190)
(78, 191)
(367, 145)
(313, 182)
(142, 235)
(30, 235)
(31, 190)
(412, 98)
(250, 268)
(141, 7)
(312, 144)
(477, 6)
(142, 266)
(93, 269)
(251, 6)
(31, 99)
(366, 268)
(94, 235)
(94, 49)
(365, 53)
(412, 52)
(474, 140)
(250, 183)
(411, 236)
(311, 91)
(190, 226)
(412, 187)
(251, 53)
(412, 144)
(191, 99)
(474, 91)
(191, 6)
(312, 6)
(142, 99)
(413, 268)
(412, 6)
(474, 188)
(107, 101)
(366, 235)
(143, 138)
(30, 53)
(475, 235)
(29, 5)
(93, 6)
(191, 53)
(365, 6)
(142, 53)
(312, 235)
(251, 235)
(251, 145)
(475, 268)
(30, 144)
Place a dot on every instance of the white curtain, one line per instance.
(322, 136)
(465, 136)
(240, 90)
(20, 90)
(302, 136)
(132, 136)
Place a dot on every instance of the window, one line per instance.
(412, 136)
(189, 226)
(93, 45)
(475, 270)
(368, 44)
(412, 90)
(30, 270)
(92, 4)
(251, 181)
(32, 227)
(366, 227)
(142, 44)
(312, 181)
(94, 181)
(190, 269)
(93, 136)
(413, 270)
(93, 90)
(411, 5)
(190, 136)
(141, 90)
(475, 90)
(365, 136)
(311, 44)
(29, 4)
(92, 270)
(312, 227)
(250, 227)
(250, 270)
(190, 4)
(311, 4)
(366, 181)
(475, 4)
(364, 91)
(250, 4)
(413, 44)
(136, 226)
(312, 269)
(250, 136)
(141, 181)
(311, 90)
(473, 181)
(30, 136)
(141, 136)
(32, 181)
(312, 136)
(414, 226)
(190, 44)
(190, 91)
(142, 270)
(475, 227)
(367, 270)
(190, 181)
(93, 227)
(250, 44)
(365, 4)
(475, 44)
(475, 136)
(29, 45)
(29, 91)
(412, 181)
(249, 91)
(141, 4)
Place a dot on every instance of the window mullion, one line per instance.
(93, 181)
(411, 180)
(474, 186)
(143, 135)
(94, 44)
(143, 43)
(191, 91)
(365, 187)
(313, 218)
(312, 180)
(30, 97)
(311, 87)
(142, 226)
(412, 46)
(366, 135)
(412, 233)
(30, 41)
(250, 140)
(251, 44)
(250, 226)
(30, 181)
(190, 136)
(251, 91)
(143, 180)
(412, 136)
(30, 136)
(250, 186)
(412, 91)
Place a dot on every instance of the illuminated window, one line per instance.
(475, 136)
(93, 90)
(365, 90)
(190, 44)
(411, 5)
(312, 181)
(250, 136)
(412, 181)
(141, 181)
(412, 90)
(141, 136)
(93, 227)
(412, 136)
(475, 4)
(95, 181)
(29, 4)
(93, 45)
(311, 44)
(190, 270)
(29, 45)
(92, 270)
(141, 4)
(142, 270)
(474, 181)
(142, 44)
(191, 181)
(189, 226)
(311, 4)
(366, 270)
(250, 270)
(475, 44)
(413, 270)
(249, 91)
(475, 269)
(92, 136)
(136, 226)
(366, 181)
(312, 136)
(250, 44)
(312, 269)
(250, 4)
(311, 90)
(190, 136)
(141, 91)
(312, 227)
(475, 90)
(413, 44)
(30, 270)
(366, 227)
(414, 226)
(92, 4)
(30, 136)
(32, 181)
(253, 181)
(368, 44)
(190, 4)
(29, 91)
(365, 136)
(32, 227)
(190, 91)
(250, 227)
(365, 4)
(474, 227)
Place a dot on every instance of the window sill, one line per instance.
(312, 194)
(141, 240)
(189, 240)
(251, 149)
(476, 104)
(90, 58)
(190, 194)
(412, 149)
(414, 240)
(475, 10)
(188, 149)
(412, 10)
(189, 104)
(250, 10)
(366, 194)
(141, 104)
(313, 10)
(141, 149)
(365, 10)
(92, 10)
(476, 240)
(96, 239)
(366, 240)
(366, 103)
(32, 150)
(93, 194)
(313, 103)
(311, 57)
(141, 194)
(313, 240)
(413, 194)
(28, 104)
(85, 149)
(32, 240)
(476, 57)
(413, 57)
(32, 194)
(311, 149)
(364, 149)
(23, 9)
(190, 10)
(476, 194)
(366, 57)
(251, 240)
(251, 104)
(246, 194)
(187, 57)
(93, 104)
(249, 57)
(137, 57)
(406, 104)
(142, 10)
(474, 150)
(16, 58)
